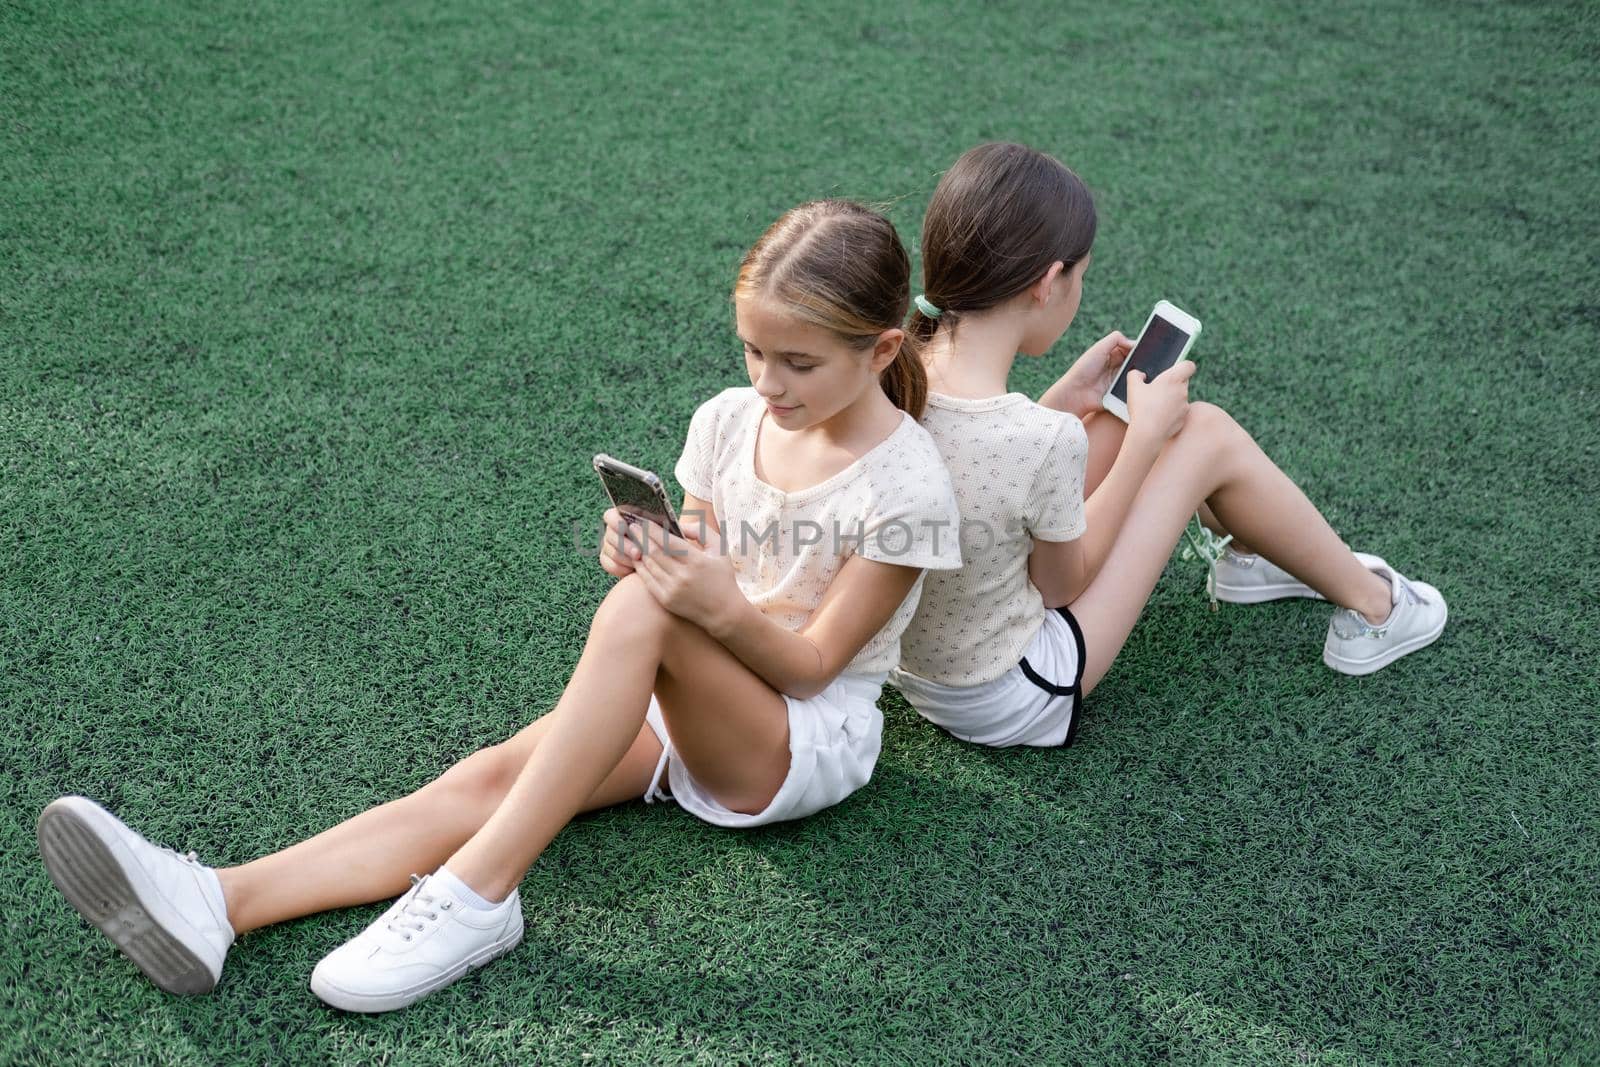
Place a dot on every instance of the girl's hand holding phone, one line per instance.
(1158, 408)
(614, 538)
(1079, 390)
(689, 577)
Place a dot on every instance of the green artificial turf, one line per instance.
(312, 315)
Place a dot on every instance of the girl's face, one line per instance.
(1053, 309)
(805, 373)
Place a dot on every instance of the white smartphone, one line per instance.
(636, 493)
(1167, 336)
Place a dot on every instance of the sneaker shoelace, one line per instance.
(413, 912)
(1207, 546)
(188, 859)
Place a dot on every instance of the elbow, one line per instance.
(805, 689)
(812, 679)
(1059, 590)
(1060, 596)
(1059, 599)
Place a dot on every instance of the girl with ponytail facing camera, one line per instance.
(740, 680)
(1069, 515)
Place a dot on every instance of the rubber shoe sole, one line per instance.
(346, 1000)
(92, 869)
(1260, 594)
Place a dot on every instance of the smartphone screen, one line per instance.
(1158, 348)
(637, 499)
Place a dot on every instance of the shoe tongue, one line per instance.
(410, 900)
(422, 896)
(397, 930)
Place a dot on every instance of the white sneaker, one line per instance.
(1241, 579)
(1356, 646)
(164, 911)
(425, 941)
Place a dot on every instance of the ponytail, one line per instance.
(905, 382)
(921, 327)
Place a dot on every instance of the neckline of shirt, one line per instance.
(827, 485)
(987, 403)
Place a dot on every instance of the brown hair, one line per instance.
(996, 222)
(841, 266)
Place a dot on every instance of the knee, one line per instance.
(1212, 427)
(630, 608)
(1207, 418)
(480, 780)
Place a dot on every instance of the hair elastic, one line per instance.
(925, 306)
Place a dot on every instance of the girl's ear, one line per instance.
(886, 348)
(1041, 290)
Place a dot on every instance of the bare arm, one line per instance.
(861, 599)
(699, 585)
(1062, 570)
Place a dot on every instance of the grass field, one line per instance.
(311, 317)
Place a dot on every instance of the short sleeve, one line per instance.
(696, 469)
(1055, 503)
(914, 520)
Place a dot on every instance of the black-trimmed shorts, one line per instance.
(1037, 702)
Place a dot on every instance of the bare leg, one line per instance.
(371, 856)
(1208, 518)
(730, 728)
(1213, 459)
(1105, 432)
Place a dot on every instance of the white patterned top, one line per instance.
(894, 504)
(1018, 472)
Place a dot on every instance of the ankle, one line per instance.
(464, 892)
(234, 900)
(482, 879)
(1378, 605)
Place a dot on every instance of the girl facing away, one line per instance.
(1003, 651)
(737, 670)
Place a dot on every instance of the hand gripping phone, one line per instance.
(636, 493)
(1168, 335)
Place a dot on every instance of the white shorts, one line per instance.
(834, 739)
(1037, 702)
